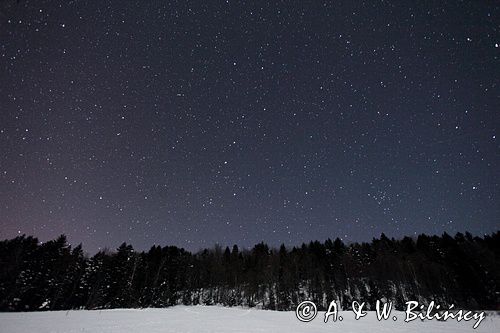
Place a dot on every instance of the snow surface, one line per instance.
(181, 319)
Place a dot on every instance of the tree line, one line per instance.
(462, 270)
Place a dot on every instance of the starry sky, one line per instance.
(191, 123)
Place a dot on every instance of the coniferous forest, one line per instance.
(461, 270)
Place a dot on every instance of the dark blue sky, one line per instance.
(190, 123)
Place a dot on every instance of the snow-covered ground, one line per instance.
(197, 319)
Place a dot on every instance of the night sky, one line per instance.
(192, 123)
